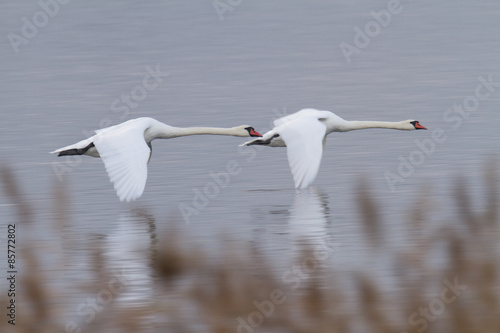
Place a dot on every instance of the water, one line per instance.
(261, 61)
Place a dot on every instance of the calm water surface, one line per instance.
(262, 61)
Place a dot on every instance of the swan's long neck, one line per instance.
(174, 132)
(359, 124)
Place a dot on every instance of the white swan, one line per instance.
(304, 134)
(126, 149)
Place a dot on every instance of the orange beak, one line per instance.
(418, 126)
(254, 133)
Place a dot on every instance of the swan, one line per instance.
(304, 134)
(126, 149)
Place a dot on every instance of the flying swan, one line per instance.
(304, 134)
(126, 149)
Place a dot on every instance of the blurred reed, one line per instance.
(194, 294)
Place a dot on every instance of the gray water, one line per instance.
(260, 61)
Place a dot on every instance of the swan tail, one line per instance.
(250, 143)
(78, 148)
(74, 151)
(260, 141)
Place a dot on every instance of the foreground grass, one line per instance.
(242, 292)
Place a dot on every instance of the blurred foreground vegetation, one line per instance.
(242, 293)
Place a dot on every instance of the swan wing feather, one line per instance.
(304, 140)
(125, 154)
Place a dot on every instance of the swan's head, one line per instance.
(245, 131)
(413, 125)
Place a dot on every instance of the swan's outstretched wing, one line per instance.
(125, 154)
(304, 140)
(296, 115)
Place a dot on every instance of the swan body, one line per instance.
(126, 149)
(304, 134)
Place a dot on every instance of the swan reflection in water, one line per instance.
(285, 230)
(309, 223)
(131, 247)
(127, 248)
